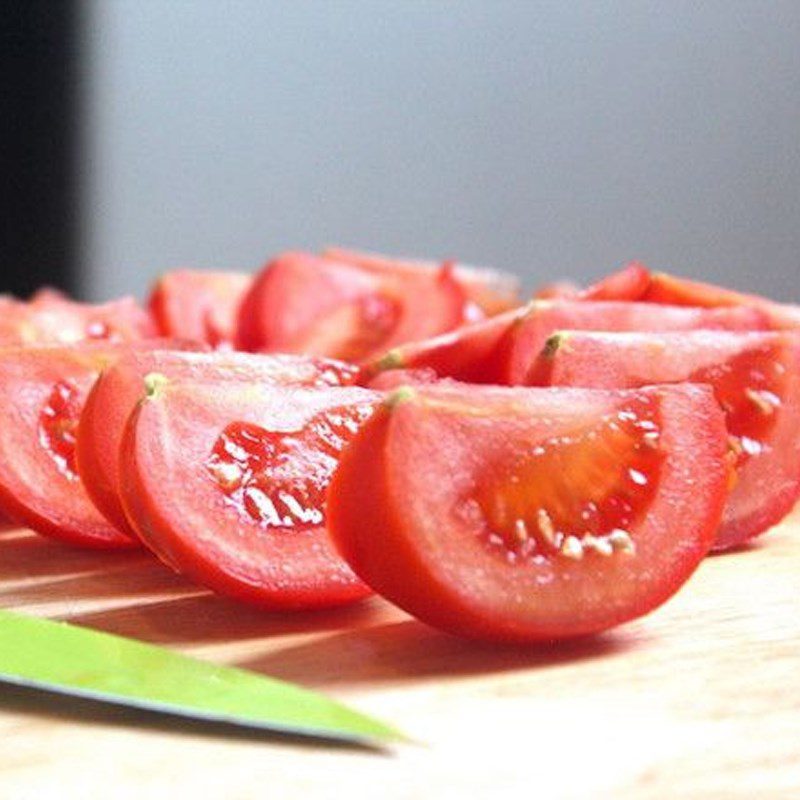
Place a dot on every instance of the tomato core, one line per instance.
(278, 479)
(749, 388)
(58, 422)
(574, 495)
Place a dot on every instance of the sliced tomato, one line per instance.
(528, 514)
(469, 353)
(306, 304)
(53, 318)
(491, 290)
(502, 349)
(756, 379)
(226, 484)
(664, 288)
(115, 394)
(44, 389)
(199, 305)
(629, 283)
(525, 340)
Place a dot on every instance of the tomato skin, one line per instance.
(44, 389)
(523, 342)
(629, 283)
(492, 291)
(199, 305)
(502, 349)
(469, 353)
(114, 396)
(399, 532)
(307, 304)
(665, 288)
(768, 483)
(185, 518)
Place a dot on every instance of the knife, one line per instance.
(69, 659)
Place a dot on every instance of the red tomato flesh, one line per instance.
(527, 514)
(307, 304)
(225, 482)
(664, 288)
(115, 394)
(525, 340)
(629, 283)
(492, 291)
(199, 305)
(756, 379)
(469, 353)
(53, 318)
(635, 283)
(44, 389)
(501, 349)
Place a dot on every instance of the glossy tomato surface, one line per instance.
(225, 482)
(201, 305)
(318, 306)
(756, 379)
(492, 291)
(524, 340)
(44, 389)
(529, 514)
(121, 386)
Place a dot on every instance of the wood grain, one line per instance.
(700, 700)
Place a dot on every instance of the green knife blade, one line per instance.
(68, 659)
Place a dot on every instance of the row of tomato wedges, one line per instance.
(503, 470)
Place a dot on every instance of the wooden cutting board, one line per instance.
(700, 699)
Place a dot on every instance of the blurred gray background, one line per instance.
(555, 139)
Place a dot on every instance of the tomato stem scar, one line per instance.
(154, 382)
(401, 395)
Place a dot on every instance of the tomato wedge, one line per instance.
(525, 340)
(199, 305)
(664, 288)
(43, 392)
(469, 353)
(225, 482)
(501, 349)
(491, 290)
(307, 304)
(636, 283)
(527, 514)
(115, 394)
(756, 379)
(53, 318)
(629, 283)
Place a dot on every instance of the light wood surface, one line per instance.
(699, 700)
